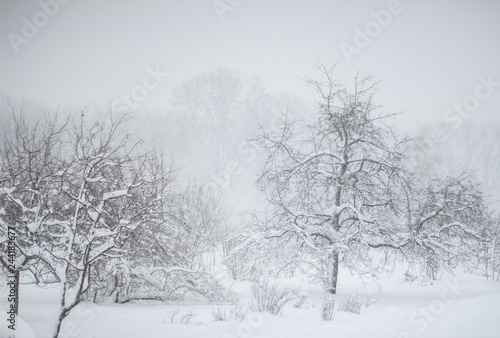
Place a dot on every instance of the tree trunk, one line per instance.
(58, 328)
(332, 287)
(94, 300)
(117, 289)
(17, 276)
(64, 314)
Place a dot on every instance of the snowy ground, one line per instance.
(463, 307)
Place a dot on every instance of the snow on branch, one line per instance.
(115, 194)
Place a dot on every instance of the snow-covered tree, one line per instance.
(445, 224)
(29, 159)
(493, 251)
(179, 250)
(90, 210)
(436, 159)
(114, 275)
(70, 194)
(331, 181)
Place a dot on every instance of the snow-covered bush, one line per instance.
(269, 297)
(350, 304)
(409, 277)
(223, 314)
(327, 307)
(302, 301)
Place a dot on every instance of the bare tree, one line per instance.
(445, 224)
(493, 250)
(64, 191)
(178, 250)
(442, 188)
(29, 159)
(92, 210)
(114, 276)
(331, 181)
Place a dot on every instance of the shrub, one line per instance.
(350, 304)
(409, 277)
(327, 307)
(222, 314)
(268, 297)
(177, 317)
(301, 301)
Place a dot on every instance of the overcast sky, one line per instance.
(428, 55)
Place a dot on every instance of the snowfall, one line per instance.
(455, 306)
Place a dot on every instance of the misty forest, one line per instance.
(236, 210)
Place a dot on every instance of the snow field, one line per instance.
(463, 306)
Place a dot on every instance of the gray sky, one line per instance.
(428, 55)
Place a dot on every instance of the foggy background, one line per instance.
(428, 56)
